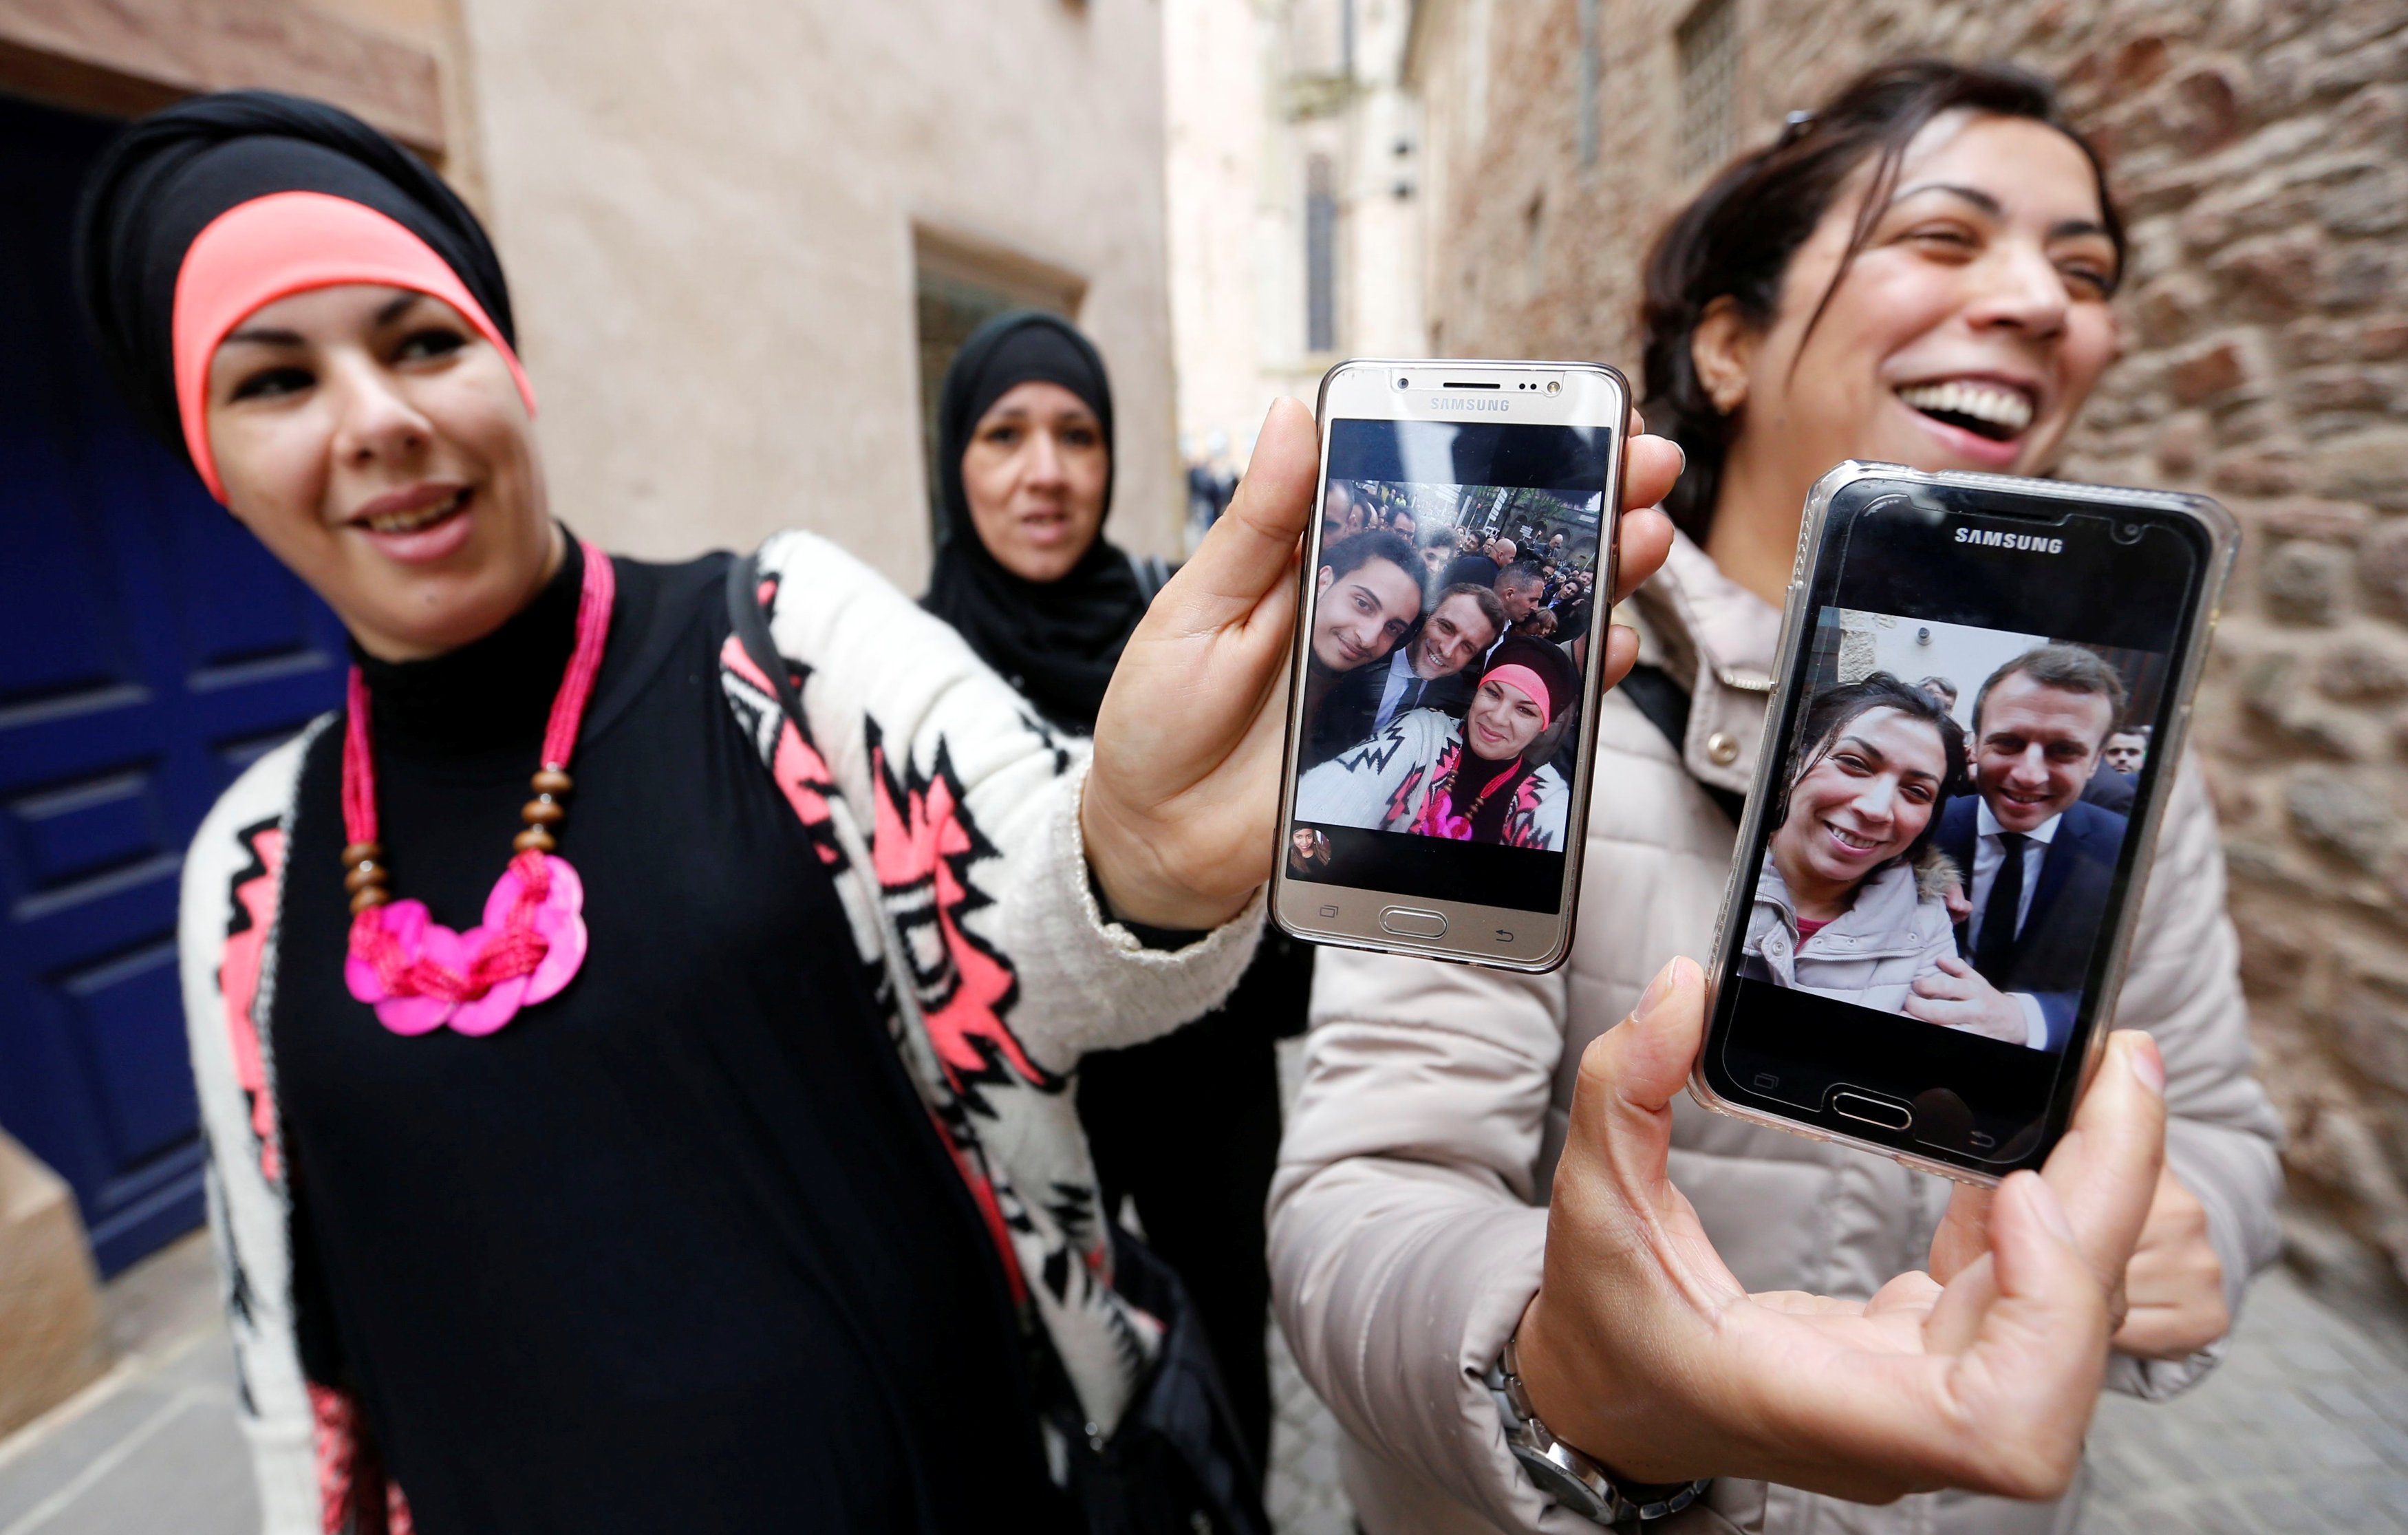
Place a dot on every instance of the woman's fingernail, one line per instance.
(2147, 1064)
(1684, 461)
(1653, 996)
(2051, 1211)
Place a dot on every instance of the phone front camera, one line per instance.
(1404, 384)
(1554, 387)
(2128, 533)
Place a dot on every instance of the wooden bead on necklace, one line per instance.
(551, 783)
(419, 975)
(365, 882)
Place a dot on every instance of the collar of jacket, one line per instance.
(1880, 925)
(1717, 638)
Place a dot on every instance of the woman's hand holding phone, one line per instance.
(2174, 1285)
(1644, 1351)
(1178, 816)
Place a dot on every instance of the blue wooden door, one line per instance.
(150, 649)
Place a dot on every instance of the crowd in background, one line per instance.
(1442, 696)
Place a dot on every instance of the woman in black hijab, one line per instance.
(1186, 1128)
(1024, 466)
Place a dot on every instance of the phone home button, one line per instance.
(1888, 1113)
(1413, 922)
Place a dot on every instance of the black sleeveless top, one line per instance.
(678, 1249)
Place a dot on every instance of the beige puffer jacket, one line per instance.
(1894, 934)
(1407, 1215)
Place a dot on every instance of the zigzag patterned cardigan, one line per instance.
(948, 816)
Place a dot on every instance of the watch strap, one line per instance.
(1571, 1478)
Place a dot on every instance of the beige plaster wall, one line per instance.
(708, 213)
(1231, 223)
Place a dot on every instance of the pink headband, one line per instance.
(284, 243)
(1522, 679)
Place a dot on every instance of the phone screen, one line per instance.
(1458, 570)
(1915, 946)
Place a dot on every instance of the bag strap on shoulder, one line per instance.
(751, 628)
(1652, 692)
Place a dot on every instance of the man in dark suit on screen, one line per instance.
(2037, 860)
(1431, 670)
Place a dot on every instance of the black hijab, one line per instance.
(1057, 641)
(170, 175)
(1474, 773)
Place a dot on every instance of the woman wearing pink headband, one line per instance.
(1471, 780)
(635, 1036)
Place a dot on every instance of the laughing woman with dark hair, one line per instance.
(1917, 271)
(1842, 907)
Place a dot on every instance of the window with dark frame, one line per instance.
(1320, 255)
(957, 288)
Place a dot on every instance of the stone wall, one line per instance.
(2260, 148)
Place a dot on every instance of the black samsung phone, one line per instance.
(1980, 700)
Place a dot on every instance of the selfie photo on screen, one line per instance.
(1460, 569)
(1953, 812)
(1445, 653)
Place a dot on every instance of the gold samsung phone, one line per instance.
(1441, 720)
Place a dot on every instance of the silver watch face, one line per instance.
(1561, 1485)
(1563, 1474)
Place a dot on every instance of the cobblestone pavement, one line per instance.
(2306, 1427)
(2303, 1427)
(1302, 1492)
(154, 1451)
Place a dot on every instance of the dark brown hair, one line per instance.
(2069, 669)
(1735, 239)
(1355, 549)
(1836, 708)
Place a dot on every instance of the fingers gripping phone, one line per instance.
(1980, 705)
(1443, 690)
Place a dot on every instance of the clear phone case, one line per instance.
(2222, 536)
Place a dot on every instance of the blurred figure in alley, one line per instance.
(1184, 1129)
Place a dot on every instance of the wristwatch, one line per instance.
(1569, 1477)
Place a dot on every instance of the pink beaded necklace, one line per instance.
(420, 974)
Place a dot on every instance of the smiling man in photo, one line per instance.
(1429, 673)
(2038, 862)
(1368, 595)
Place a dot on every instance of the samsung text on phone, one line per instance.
(2030, 542)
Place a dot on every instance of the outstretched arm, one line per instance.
(1179, 810)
